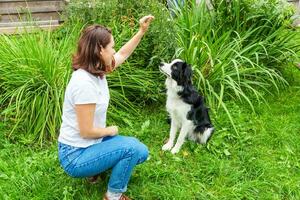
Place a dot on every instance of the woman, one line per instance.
(86, 146)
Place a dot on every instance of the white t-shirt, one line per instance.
(83, 88)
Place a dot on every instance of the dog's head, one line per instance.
(178, 71)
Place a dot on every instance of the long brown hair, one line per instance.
(88, 56)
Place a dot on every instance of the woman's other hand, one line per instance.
(113, 130)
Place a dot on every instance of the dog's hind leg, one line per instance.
(173, 130)
(181, 138)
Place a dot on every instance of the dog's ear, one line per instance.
(187, 73)
(183, 73)
(187, 69)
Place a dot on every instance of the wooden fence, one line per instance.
(17, 15)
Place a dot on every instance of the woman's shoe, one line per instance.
(123, 197)
(92, 179)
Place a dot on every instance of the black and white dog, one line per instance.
(185, 106)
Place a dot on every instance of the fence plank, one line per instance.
(32, 6)
(18, 16)
(29, 23)
(33, 16)
(18, 30)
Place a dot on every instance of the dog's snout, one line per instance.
(161, 64)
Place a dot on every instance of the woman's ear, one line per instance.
(98, 51)
(101, 49)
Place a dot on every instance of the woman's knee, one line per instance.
(139, 149)
(143, 153)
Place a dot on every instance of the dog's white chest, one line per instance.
(177, 108)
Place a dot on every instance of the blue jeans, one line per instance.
(120, 153)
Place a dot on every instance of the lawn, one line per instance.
(261, 161)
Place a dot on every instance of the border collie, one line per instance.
(185, 107)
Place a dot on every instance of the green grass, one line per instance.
(261, 161)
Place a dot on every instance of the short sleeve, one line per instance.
(84, 93)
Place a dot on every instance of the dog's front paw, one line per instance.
(175, 150)
(167, 146)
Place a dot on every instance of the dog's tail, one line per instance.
(202, 137)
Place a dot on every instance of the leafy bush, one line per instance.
(241, 15)
(122, 17)
(235, 54)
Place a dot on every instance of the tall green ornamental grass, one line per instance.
(34, 70)
(236, 53)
